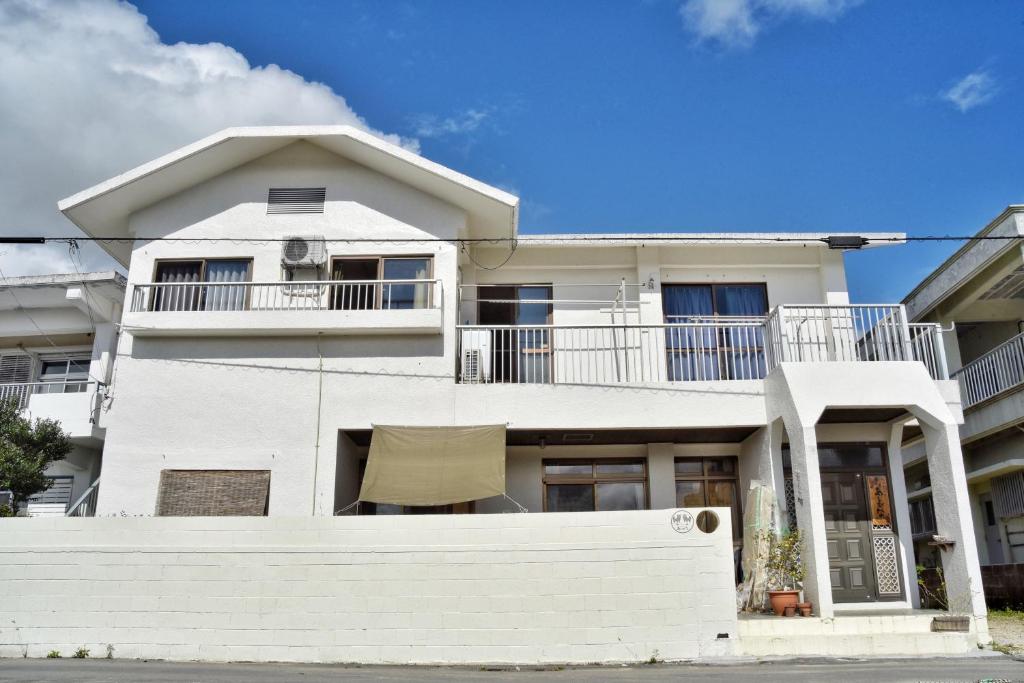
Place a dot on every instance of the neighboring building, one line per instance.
(977, 296)
(57, 344)
(316, 316)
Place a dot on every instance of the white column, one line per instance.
(810, 516)
(902, 510)
(662, 475)
(960, 565)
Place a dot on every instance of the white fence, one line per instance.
(319, 295)
(999, 370)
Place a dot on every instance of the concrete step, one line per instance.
(848, 635)
(769, 626)
(833, 645)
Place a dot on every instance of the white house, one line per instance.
(57, 343)
(324, 325)
(977, 295)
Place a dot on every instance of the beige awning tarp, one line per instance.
(434, 465)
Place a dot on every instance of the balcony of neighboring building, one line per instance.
(58, 388)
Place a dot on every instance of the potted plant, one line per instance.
(785, 570)
(935, 593)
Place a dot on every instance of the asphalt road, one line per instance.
(981, 668)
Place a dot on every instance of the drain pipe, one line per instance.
(319, 407)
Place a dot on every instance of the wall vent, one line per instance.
(1008, 495)
(296, 199)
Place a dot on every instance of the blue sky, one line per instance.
(742, 115)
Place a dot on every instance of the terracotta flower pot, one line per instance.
(805, 609)
(790, 611)
(782, 599)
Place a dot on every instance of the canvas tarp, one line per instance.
(434, 465)
(758, 518)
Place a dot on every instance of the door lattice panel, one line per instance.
(790, 502)
(886, 566)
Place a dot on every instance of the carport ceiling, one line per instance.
(852, 415)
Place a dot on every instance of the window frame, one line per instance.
(200, 296)
(594, 479)
(68, 386)
(378, 297)
(704, 478)
(515, 343)
(722, 345)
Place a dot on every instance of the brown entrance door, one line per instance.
(848, 534)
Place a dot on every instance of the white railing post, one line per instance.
(942, 368)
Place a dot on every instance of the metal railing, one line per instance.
(700, 349)
(927, 347)
(822, 333)
(318, 295)
(999, 370)
(85, 506)
(611, 354)
(21, 391)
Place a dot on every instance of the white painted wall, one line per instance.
(569, 587)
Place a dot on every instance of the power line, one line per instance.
(543, 239)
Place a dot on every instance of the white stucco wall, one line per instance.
(570, 587)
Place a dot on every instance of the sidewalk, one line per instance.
(975, 668)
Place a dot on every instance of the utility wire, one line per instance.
(539, 238)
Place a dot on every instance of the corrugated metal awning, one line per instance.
(434, 465)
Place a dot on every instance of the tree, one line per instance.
(26, 449)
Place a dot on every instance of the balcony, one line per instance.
(348, 307)
(700, 349)
(74, 404)
(992, 374)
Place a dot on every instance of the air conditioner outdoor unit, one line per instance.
(476, 356)
(304, 251)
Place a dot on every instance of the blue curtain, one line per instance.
(744, 355)
(691, 354)
(741, 300)
(680, 302)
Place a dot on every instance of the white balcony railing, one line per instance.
(999, 370)
(707, 349)
(612, 354)
(85, 506)
(320, 295)
(21, 391)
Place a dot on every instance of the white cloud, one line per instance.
(736, 23)
(973, 90)
(432, 126)
(88, 90)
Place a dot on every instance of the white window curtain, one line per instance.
(181, 296)
(226, 297)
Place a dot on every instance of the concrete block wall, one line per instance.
(513, 588)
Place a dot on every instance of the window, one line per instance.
(518, 355)
(709, 482)
(375, 282)
(63, 376)
(722, 351)
(922, 517)
(201, 285)
(589, 485)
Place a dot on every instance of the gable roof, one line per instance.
(104, 209)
